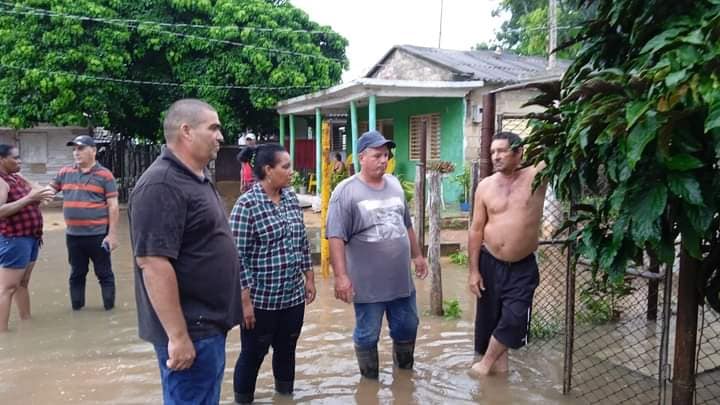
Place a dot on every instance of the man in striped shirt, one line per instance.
(90, 206)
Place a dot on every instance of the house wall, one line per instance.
(403, 66)
(451, 134)
(509, 102)
(42, 149)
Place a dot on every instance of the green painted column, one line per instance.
(282, 130)
(318, 149)
(292, 139)
(372, 113)
(354, 135)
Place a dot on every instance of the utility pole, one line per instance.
(440, 30)
(552, 24)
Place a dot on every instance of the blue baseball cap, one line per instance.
(373, 139)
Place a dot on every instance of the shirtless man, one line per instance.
(501, 242)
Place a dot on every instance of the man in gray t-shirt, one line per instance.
(371, 245)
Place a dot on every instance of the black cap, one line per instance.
(82, 140)
(373, 139)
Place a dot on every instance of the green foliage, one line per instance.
(336, 178)
(408, 188)
(599, 301)
(298, 180)
(543, 330)
(631, 135)
(33, 46)
(464, 180)
(451, 309)
(459, 257)
(526, 32)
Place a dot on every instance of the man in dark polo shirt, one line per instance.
(186, 273)
(90, 207)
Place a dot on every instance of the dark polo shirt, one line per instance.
(178, 215)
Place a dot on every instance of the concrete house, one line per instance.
(415, 91)
(42, 149)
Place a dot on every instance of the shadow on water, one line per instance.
(92, 356)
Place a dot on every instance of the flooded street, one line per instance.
(93, 356)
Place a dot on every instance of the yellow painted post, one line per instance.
(325, 200)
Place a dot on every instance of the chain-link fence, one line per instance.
(619, 352)
(707, 377)
(623, 332)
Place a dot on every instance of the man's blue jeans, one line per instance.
(402, 319)
(199, 384)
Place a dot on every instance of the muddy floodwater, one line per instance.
(95, 357)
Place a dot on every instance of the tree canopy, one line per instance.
(526, 32)
(102, 62)
(631, 135)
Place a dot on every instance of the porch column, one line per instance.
(281, 141)
(318, 149)
(372, 115)
(292, 139)
(354, 135)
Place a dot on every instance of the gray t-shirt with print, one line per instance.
(373, 223)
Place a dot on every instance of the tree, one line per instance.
(526, 32)
(51, 61)
(631, 136)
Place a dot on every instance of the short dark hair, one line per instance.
(513, 139)
(5, 150)
(338, 157)
(261, 156)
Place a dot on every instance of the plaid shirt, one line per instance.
(273, 248)
(26, 222)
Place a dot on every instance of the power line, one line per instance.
(149, 22)
(145, 82)
(128, 24)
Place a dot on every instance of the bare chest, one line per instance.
(510, 197)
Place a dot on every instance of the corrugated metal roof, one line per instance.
(490, 66)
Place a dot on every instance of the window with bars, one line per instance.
(429, 124)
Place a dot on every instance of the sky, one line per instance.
(372, 27)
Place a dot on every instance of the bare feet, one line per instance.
(481, 369)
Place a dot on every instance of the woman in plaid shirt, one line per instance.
(20, 233)
(276, 271)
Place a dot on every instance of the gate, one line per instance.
(127, 160)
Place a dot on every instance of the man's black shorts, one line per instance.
(504, 309)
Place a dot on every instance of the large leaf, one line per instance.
(683, 162)
(644, 132)
(690, 236)
(634, 111)
(713, 118)
(661, 40)
(700, 217)
(685, 187)
(646, 210)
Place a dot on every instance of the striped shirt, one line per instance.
(85, 198)
(273, 248)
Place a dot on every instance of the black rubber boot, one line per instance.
(108, 296)
(368, 362)
(403, 354)
(284, 387)
(244, 398)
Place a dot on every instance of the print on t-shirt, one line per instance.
(387, 218)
